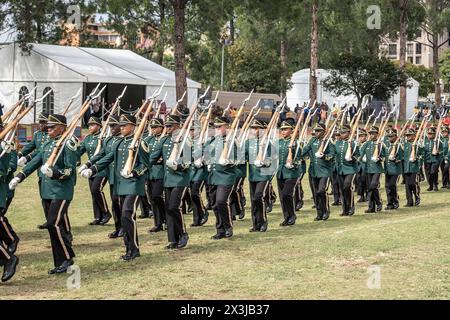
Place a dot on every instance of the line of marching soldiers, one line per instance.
(166, 183)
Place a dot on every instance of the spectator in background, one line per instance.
(352, 111)
(1, 109)
(297, 111)
(306, 112)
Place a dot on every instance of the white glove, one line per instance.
(125, 175)
(198, 163)
(289, 165)
(375, 159)
(319, 154)
(209, 168)
(259, 163)
(172, 165)
(225, 162)
(82, 168)
(87, 173)
(348, 159)
(391, 158)
(45, 169)
(22, 161)
(364, 159)
(13, 183)
(6, 147)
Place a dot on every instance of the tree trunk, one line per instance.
(161, 37)
(314, 58)
(283, 58)
(402, 38)
(179, 7)
(436, 72)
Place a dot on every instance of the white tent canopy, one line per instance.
(299, 93)
(67, 69)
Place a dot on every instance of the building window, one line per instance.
(410, 49)
(48, 104)
(410, 59)
(392, 50)
(418, 60)
(23, 91)
(418, 48)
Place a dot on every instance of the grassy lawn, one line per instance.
(311, 260)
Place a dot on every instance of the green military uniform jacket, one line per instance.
(198, 174)
(428, 147)
(344, 167)
(118, 156)
(156, 171)
(367, 151)
(444, 147)
(11, 170)
(34, 146)
(408, 165)
(283, 152)
(4, 179)
(320, 167)
(172, 178)
(394, 167)
(107, 147)
(89, 145)
(61, 185)
(251, 153)
(219, 175)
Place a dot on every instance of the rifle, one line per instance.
(289, 159)
(229, 141)
(205, 123)
(369, 119)
(354, 131)
(246, 126)
(133, 147)
(105, 125)
(412, 156)
(384, 122)
(70, 102)
(437, 139)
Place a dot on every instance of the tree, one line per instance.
(437, 20)
(314, 48)
(364, 75)
(444, 67)
(423, 75)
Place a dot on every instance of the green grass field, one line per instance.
(311, 260)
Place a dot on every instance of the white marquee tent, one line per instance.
(67, 69)
(299, 93)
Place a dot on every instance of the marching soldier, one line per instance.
(259, 179)
(393, 167)
(237, 203)
(361, 176)
(107, 147)
(288, 173)
(57, 187)
(411, 169)
(346, 169)
(30, 149)
(335, 186)
(321, 168)
(176, 183)
(432, 159)
(444, 167)
(155, 179)
(374, 165)
(221, 178)
(128, 186)
(97, 182)
(199, 177)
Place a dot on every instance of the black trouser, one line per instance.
(128, 207)
(156, 196)
(258, 195)
(99, 203)
(299, 194)
(412, 188)
(391, 189)
(335, 188)
(361, 183)
(174, 216)
(432, 171)
(116, 210)
(221, 200)
(4, 253)
(322, 204)
(209, 199)
(198, 208)
(346, 185)
(186, 203)
(236, 201)
(311, 186)
(286, 190)
(59, 230)
(373, 180)
(42, 200)
(7, 234)
(445, 172)
(145, 201)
